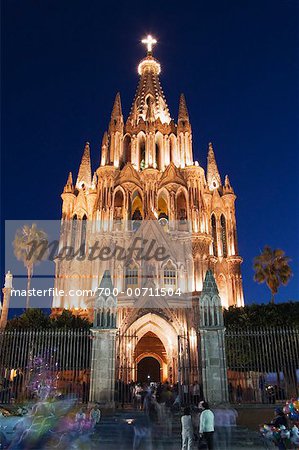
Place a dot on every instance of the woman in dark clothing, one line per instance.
(279, 419)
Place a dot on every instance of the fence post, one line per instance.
(212, 345)
(102, 376)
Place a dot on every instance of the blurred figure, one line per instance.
(231, 392)
(80, 419)
(187, 430)
(142, 434)
(95, 415)
(186, 393)
(239, 393)
(138, 396)
(225, 420)
(279, 418)
(196, 393)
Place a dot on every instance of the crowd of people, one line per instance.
(179, 395)
(200, 425)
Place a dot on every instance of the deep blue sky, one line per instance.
(236, 61)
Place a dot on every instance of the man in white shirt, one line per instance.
(206, 425)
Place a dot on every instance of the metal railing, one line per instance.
(263, 364)
(38, 364)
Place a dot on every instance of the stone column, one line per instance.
(6, 297)
(102, 377)
(212, 343)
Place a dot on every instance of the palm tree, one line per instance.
(23, 243)
(272, 267)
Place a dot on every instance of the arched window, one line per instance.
(169, 275)
(181, 208)
(142, 152)
(118, 206)
(136, 210)
(223, 235)
(74, 233)
(214, 235)
(127, 149)
(131, 277)
(157, 156)
(83, 235)
(162, 206)
(171, 149)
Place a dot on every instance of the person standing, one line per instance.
(196, 393)
(187, 430)
(95, 415)
(206, 425)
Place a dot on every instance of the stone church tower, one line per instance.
(147, 172)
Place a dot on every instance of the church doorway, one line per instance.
(151, 358)
(148, 370)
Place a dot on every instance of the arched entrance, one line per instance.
(151, 358)
(148, 336)
(148, 369)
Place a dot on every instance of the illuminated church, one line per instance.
(148, 173)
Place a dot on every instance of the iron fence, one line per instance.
(263, 364)
(39, 363)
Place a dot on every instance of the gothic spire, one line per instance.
(149, 91)
(183, 110)
(106, 282)
(227, 186)
(116, 110)
(84, 174)
(69, 184)
(213, 176)
(116, 121)
(209, 285)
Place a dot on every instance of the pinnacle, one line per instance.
(84, 174)
(70, 179)
(213, 176)
(69, 184)
(116, 110)
(105, 139)
(227, 186)
(209, 284)
(106, 282)
(183, 110)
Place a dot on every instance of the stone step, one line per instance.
(117, 429)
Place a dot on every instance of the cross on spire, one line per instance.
(149, 41)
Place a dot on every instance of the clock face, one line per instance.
(163, 221)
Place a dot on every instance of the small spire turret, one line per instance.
(213, 176)
(84, 174)
(183, 110)
(227, 188)
(69, 187)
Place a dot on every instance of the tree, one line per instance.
(32, 318)
(38, 319)
(26, 240)
(262, 316)
(272, 267)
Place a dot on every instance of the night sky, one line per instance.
(236, 61)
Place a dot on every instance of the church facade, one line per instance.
(147, 178)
